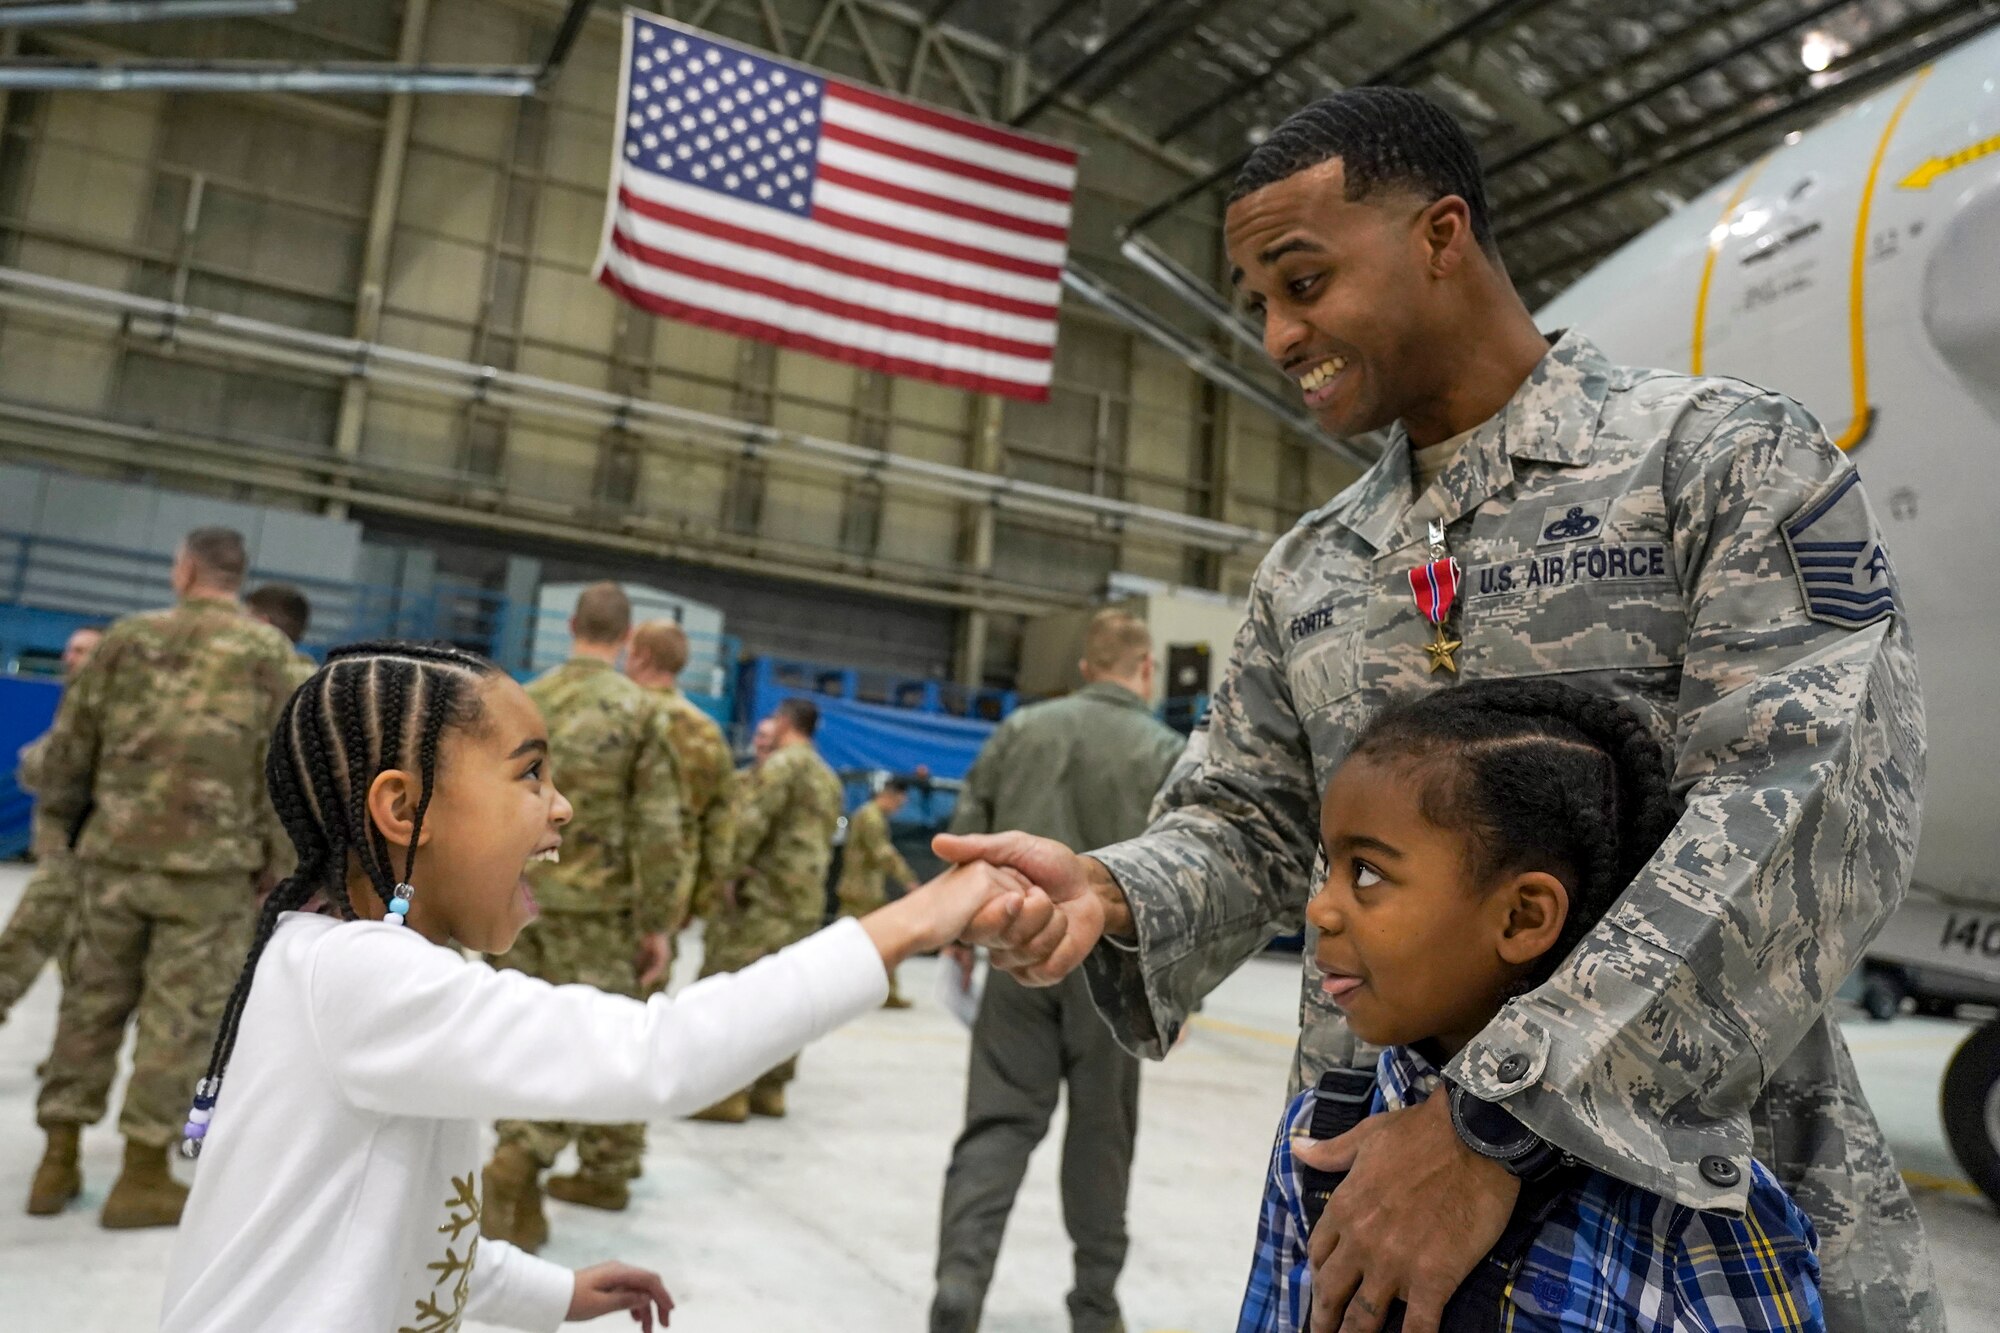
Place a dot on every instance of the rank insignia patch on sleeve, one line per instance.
(1842, 565)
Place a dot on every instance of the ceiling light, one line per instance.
(1794, 137)
(1817, 51)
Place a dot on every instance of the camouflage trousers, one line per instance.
(1813, 1129)
(858, 906)
(162, 947)
(593, 949)
(39, 929)
(763, 919)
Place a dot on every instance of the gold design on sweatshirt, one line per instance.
(461, 1222)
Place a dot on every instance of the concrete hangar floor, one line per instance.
(828, 1219)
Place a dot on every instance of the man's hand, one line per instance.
(656, 954)
(1416, 1214)
(603, 1288)
(1050, 936)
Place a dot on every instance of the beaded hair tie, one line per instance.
(196, 1127)
(399, 904)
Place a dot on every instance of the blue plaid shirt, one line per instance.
(1610, 1257)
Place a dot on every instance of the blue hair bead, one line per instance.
(400, 906)
(194, 1129)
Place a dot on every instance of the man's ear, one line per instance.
(1537, 905)
(392, 805)
(1447, 232)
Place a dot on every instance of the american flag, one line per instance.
(770, 200)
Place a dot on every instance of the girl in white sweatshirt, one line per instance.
(339, 1179)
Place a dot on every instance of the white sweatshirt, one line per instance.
(338, 1187)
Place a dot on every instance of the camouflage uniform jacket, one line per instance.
(1667, 541)
(1083, 769)
(613, 758)
(708, 796)
(785, 820)
(47, 838)
(869, 858)
(164, 731)
(301, 669)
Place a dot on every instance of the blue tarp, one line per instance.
(901, 740)
(26, 709)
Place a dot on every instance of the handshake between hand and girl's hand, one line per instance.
(940, 912)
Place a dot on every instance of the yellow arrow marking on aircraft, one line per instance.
(1933, 167)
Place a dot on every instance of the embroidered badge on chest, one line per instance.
(1842, 564)
(1573, 522)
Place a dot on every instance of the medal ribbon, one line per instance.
(1435, 586)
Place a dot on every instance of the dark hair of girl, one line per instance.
(373, 707)
(1538, 776)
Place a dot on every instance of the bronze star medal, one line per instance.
(1435, 586)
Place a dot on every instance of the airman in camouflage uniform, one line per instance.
(43, 919)
(1694, 547)
(786, 816)
(658, 655)
(611, 896)
(161, 739)
(869, 859)
(286, 610)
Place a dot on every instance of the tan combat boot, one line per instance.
(57, 1179)
(768, 1100)
(606, 1192)
(512, 1210)
(146, 1193)
(731, 1110)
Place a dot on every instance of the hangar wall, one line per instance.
(466, 226)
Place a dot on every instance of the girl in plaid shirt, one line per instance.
(1472, 837)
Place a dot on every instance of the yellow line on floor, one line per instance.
(1924, 1180)
(1265, 1035)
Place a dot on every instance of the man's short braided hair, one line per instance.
(1382, 136)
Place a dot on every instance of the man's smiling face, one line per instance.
(1342, 287)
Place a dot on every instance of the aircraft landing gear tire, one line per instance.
(1970, 1102)
(1882, 997)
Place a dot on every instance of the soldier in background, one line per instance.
(286, 610)
(658, 655)
(1082, 770)
(46, 914)
(606, 906)
(161, 739)
(777, 895)
(869, 858)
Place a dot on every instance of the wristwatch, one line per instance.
(1494, 1133)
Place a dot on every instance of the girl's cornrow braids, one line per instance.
(346, 724)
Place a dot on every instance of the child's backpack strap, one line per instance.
(1340, 1102)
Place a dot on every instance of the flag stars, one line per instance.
(731, 181)
(680, 46)
(683, 152)
(791, 125)
(674, 104)
(638, 92)
(677, 74)
(792, 97)
(778, 76)
(744, 66)
(785, 152)
(714, 56)
(698, 171)
(729, 76)
(702, 142)
(631, 150)
(750, 172)
(763, 192)
(654, 113)
(717, 161)
(739, 124)
(709, 85)
(758, 115)
(798, 200)
(644, 63)
(687, 122)
(736, 152)
(708, 115)
(807, 116)
(635, 120)
(760, 87)
(803, 147)
(659, 83)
